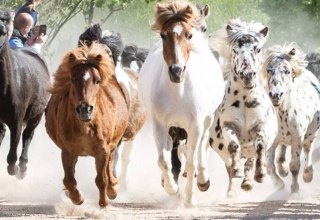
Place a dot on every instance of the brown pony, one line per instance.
(87, 115)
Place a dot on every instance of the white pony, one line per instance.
(181, 84)
(245, 124)
(295, 92)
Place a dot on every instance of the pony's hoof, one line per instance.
(259, 177)
(103, 204)
(308, 175)
(112, 193)
(12, 169)
(172, 190)
(246, 185)
(295, 189)
(283, 172)
(77, 200)
(203, 186)
(21, 174)
(112, 196)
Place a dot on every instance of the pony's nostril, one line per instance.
(270, 94)
(175, 70)
(89, 108)
(78, 109)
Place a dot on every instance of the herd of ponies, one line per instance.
(229, 93)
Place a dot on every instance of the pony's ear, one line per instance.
(292, 52)
(189, 10)
(205, 10)
(229, 29)
(264, 31)
(98, 58)
(72, 57)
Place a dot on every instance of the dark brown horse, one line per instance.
(87, 115)
(24, 80)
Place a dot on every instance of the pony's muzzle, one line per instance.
(275, 98)
(84, 111)
(176, 73)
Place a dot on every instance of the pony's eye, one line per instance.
(203, 29)
(188, 36)
(287, 72)
(258, 50)
(96, 81)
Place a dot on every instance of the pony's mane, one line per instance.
(222, 41)
(96, 55)
(176, 11)
(297, 60)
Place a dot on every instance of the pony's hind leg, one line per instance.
(102, 178)
(2, 131)
(69, 162)
(271, 168)
(15, 133)
(125, 160)
(27, 136)
(112, 189)
(281, 163)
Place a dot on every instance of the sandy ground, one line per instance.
(40, 195)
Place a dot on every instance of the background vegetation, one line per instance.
(289, 20)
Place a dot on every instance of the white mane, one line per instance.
(222, 41)
(297, 61)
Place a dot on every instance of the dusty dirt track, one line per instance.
(39, 195)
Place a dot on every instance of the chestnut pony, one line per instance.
(87, 116)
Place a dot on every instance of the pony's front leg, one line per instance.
(69, 162)
(102, 178)
(308, 169)
(164, 146)
(234, 150)
(203, 181)
(247, 182)
(295, 167)
(281, 163)
(231, 192)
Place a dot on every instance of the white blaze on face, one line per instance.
(86, 76)
(178, 30)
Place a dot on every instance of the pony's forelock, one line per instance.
(222, 40)
(176, 11)
(97, 55)
(297, 61)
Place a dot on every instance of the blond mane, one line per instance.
(97, 55)
(176, 11)
(297, 60)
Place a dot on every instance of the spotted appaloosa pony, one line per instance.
(173, 83)
(24, 80)
(87, 115)
(295, 92)
(245, 123)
